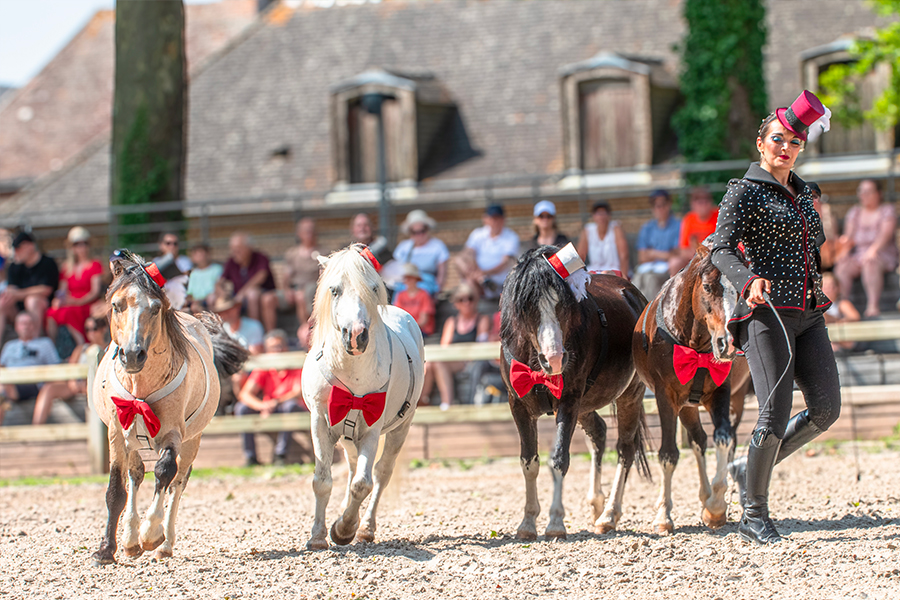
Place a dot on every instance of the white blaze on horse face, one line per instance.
(549, 333)
(729, 301)
(578, 282)
(350, 315)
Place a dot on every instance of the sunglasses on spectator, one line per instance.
(465, 299)
(418, 231)
(170, 243)
(79, 243)
(90, 329)
(545, 216)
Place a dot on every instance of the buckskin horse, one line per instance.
(156, 387)
(361, 379)
(566, 351)
(684, 353)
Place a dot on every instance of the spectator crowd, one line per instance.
(51, 313)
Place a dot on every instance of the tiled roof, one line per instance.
(68, 104)
(499, 59)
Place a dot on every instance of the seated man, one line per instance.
(32, 280)
(301, 272)
(267, 392)
(697, 225)
(28, 350)
(361, 231)
(490, 253)
(249, 274)
(169, 245)
(657, 246)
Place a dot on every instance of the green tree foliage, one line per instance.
(722, 81)
(148, 144)
(839, 83)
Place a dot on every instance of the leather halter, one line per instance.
(350, 424)
(163, 392)
(702, 372)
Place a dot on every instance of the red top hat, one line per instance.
(804, 111)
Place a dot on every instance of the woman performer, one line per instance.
(771, 212)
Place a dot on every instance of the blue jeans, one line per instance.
(283, 440)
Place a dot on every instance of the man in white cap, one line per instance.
(490, 253)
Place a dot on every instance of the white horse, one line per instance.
(361, 380)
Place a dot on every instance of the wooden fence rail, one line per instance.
(95, 432)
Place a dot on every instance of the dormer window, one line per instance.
(843, 139)
(421, 127)
(616, 112)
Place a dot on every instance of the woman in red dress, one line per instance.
(79, 286)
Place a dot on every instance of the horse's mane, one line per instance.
(526, 285)
(132, 273)
(345, 268)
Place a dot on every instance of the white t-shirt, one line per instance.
(491, 251)
(250, 334)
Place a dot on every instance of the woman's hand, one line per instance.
(757, 288)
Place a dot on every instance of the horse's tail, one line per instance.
(641, 435)
(228, 354)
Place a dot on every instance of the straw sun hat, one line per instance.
(415, 217)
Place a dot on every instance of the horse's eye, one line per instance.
(707, 288)
(154, 309)
(335, 291)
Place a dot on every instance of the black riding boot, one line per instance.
(755, 525)
(799, 432)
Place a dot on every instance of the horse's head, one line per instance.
(539, 305)
(713, 299)
(347, 299)
(139, 311)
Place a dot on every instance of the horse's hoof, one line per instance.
(526, 535)
(133, 551)
(317, 544)
(103, 557)
(148, 546)
(364, 535)
(556, 534)
(338, 539)
(714, 521)
(665, 528)
(161, 553)
(604, 528)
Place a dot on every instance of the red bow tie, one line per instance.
(341, 402)
(523, 379)
(687, 360)
(127, 409)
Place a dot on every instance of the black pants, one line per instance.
(812, 367)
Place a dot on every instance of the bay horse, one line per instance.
(684, 353)
(156, 387)
(361, 379)
(566, 351)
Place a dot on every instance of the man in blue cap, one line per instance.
(490, 253)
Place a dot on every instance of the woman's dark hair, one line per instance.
(601, 204)
(766, 123)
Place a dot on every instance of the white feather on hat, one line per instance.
(819, 126)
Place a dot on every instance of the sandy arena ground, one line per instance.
(448, 532)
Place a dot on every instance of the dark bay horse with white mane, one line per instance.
(566, 352)
(156, 387)
(684, 353)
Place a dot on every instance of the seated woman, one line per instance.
(467, 325)
(546, 231)
(602, 245)
(428, 253)
(868, 247)
(97, 332)
(841, 309)
(79, 285)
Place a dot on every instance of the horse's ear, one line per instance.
(117, 267)
(323, 260)
(702, 251)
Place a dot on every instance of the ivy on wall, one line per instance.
(840, 82)
(722, 82)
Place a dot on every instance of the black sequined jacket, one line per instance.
(781, 236)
